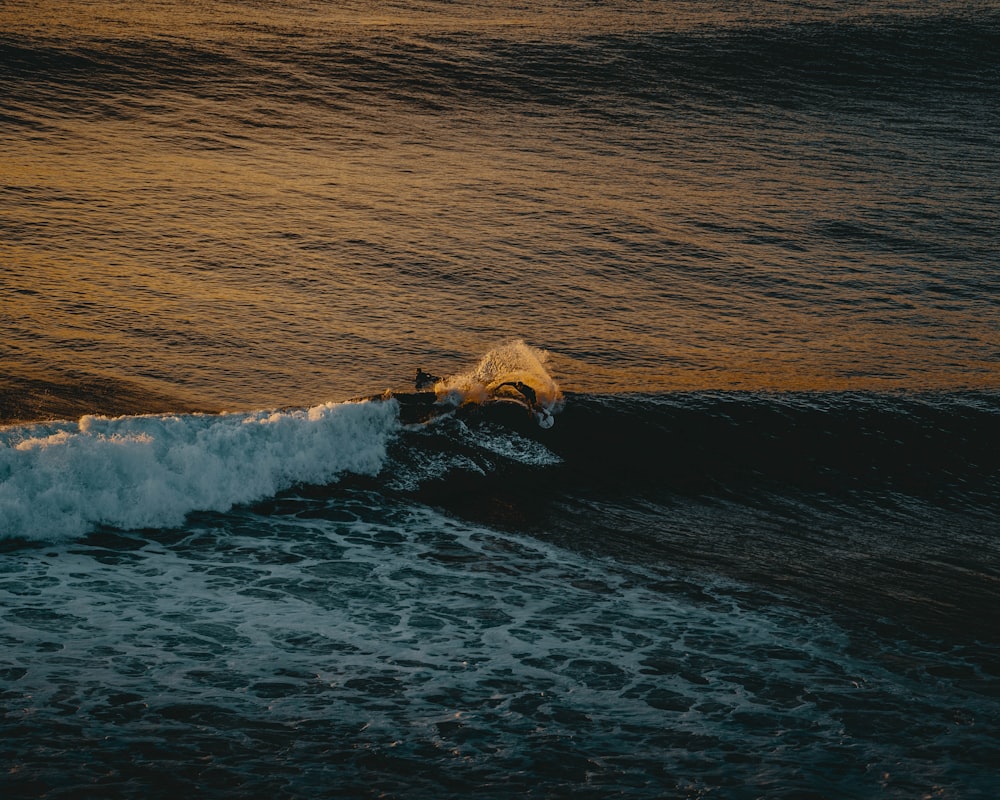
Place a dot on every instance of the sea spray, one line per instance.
(509, 363)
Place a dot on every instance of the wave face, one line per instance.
(936, 448)
(856, 450)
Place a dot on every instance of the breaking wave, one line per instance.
(142, 472)
(477, 437)
(64, 479)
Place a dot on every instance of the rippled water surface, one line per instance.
(286, 203)
(402, 653)
(703, 501)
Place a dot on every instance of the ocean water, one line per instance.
(703, 501)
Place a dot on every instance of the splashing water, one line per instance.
(497, 376)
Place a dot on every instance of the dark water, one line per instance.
(745, 545)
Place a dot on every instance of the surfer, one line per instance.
(424, 380)
(525, 390)
(542, 415)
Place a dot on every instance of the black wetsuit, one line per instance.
(524, 389)
(425, 379)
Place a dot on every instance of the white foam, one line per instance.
(139, 472)
(517, 448)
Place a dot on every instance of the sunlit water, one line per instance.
(676, 589)
(293, 203)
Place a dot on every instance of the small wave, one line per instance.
(63, 480)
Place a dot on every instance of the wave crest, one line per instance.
(65, 479)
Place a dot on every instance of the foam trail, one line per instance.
(62, 480)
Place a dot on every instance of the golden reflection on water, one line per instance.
(260, 21)
(165, 250)
(255, 250)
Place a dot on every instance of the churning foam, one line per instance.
(138, 472)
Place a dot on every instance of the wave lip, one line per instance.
(59, 481)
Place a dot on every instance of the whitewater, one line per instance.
(148, 472)
(63, 479)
